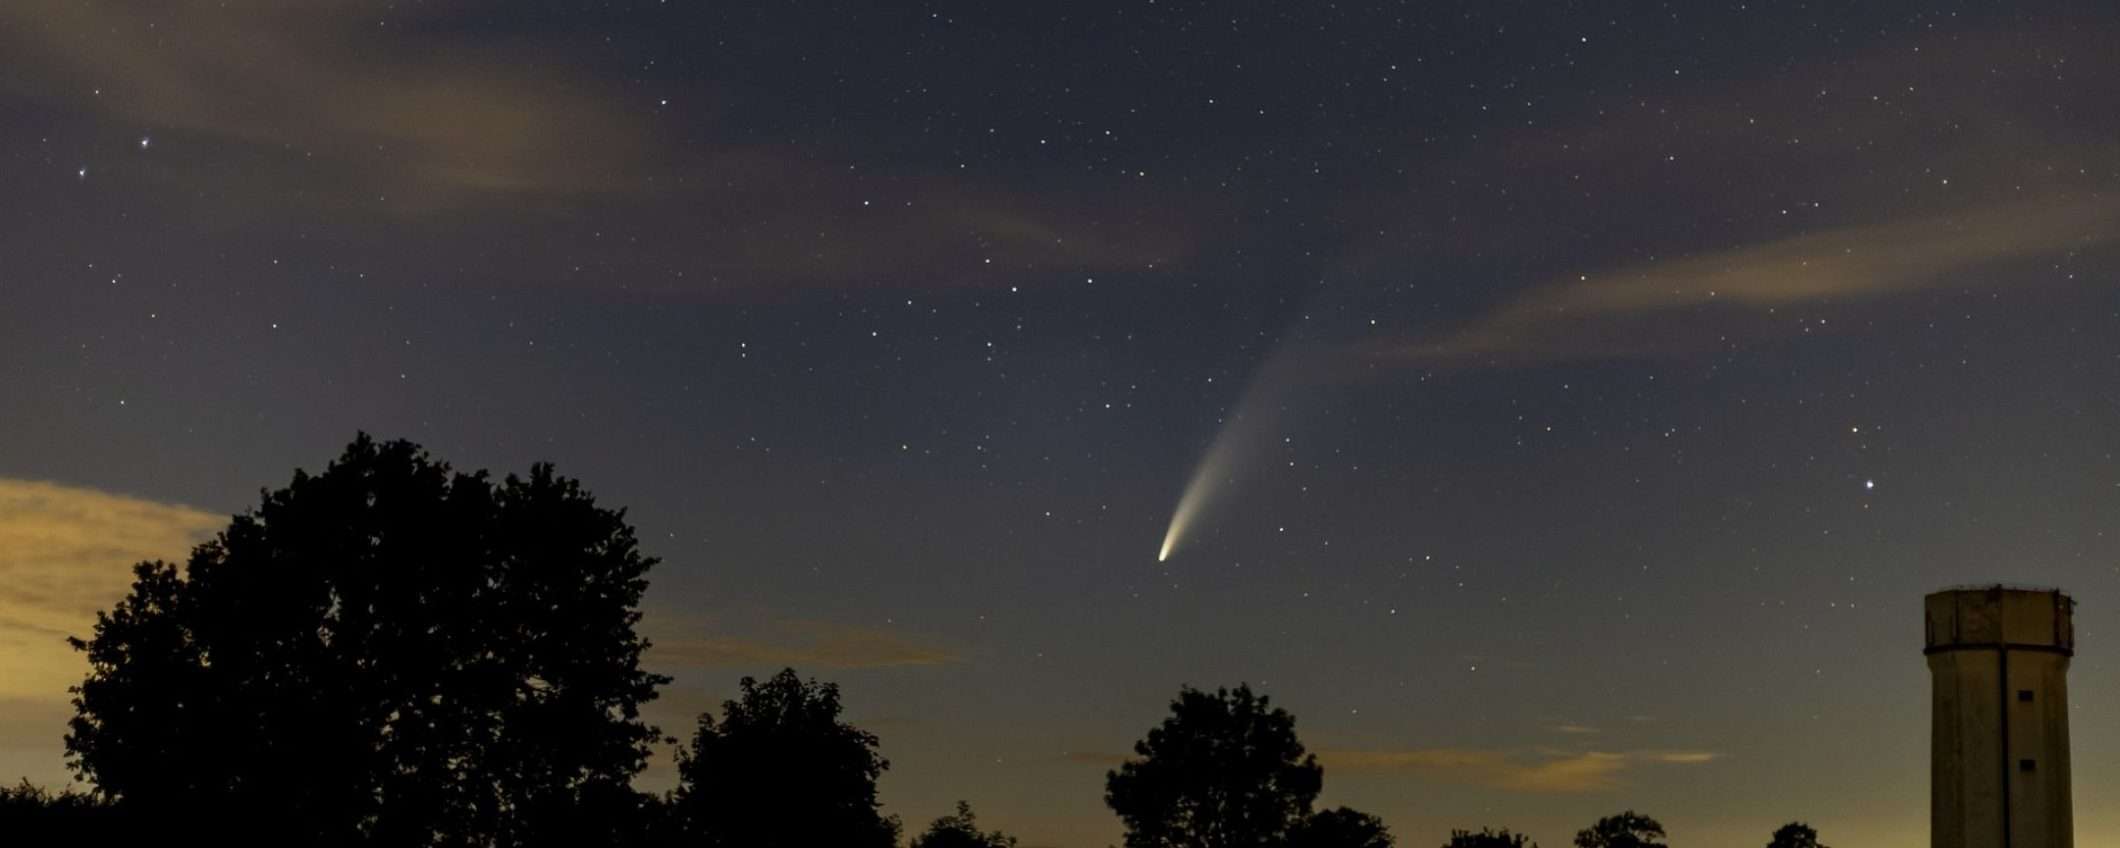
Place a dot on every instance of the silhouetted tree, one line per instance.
(33, 815)
(389, 653)
(1487, 838)
(1223, 771)
(961, 831)
(781, 769)
(1795, 835)
(1626, 830)
(1340, 828)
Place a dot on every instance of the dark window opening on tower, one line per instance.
(2026, 765)
(2024, 695)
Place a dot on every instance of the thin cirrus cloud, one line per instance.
(430, 125)
(455, 120)
(1672, 307)
(1696, 215)
(1540, 772)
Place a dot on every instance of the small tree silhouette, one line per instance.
(33, 815)
(1626, 830)
(961, 831)
(1795, 835)
(1224, 769)
(387, 652)
(781, 769)
(1487, 838)
(1340, 828)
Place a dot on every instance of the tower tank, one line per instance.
(1998, 758)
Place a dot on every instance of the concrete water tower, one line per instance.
(1998, 755)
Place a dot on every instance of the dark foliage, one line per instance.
(1488, 838)
(1223, 771)
(780, 770)
(961, 831)
(1795, 835)
(1340, 827)
(33, 815)
(386, 653)
(1626, 830)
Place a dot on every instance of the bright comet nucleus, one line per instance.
(1246, 431)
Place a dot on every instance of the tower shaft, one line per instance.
(1999, 752)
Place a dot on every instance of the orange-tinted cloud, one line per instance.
(66, 553)
(1546, 772)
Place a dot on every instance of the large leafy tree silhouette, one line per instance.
(388, 652)
(780, 770)
(1224, 770)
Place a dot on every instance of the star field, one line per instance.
(1580, 399)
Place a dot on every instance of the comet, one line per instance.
(1247, 431)
(1211, 478)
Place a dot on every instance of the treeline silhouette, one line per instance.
(393, 653)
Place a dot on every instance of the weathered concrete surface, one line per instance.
(1999, 764)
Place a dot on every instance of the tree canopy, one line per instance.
(1223, 771)
(388, 652)
(1626, 830)
(33, 815)
(781, 769)
(1795, 835)
(961, 830)
(1340, 827)
(1487, 838)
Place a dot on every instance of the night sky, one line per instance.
(1570, 403)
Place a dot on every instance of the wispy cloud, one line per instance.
(1683, 758)
(417, 114)
(1696, 214)
(1548, 772)
(65, 553)
(802, 645)
(428, 124)
(1668, 307)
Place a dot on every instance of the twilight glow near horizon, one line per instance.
(1558, 409)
